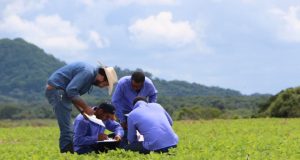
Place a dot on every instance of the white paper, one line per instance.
(107, 140)
(95, 120)
(139, 136)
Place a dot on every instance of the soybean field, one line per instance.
(205, 139)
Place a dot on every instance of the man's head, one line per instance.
(106, 77)
(101, 78)
(105, 111)
(139, 99)
(137, 80)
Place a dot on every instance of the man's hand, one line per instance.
(102, 137)
(82, 106)
(124, 125)
(89, 111)
(118, 138)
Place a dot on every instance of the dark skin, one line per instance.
(136, 86)
(100, 82)
(104, 116)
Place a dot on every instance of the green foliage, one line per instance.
(230, 106)
(214, 139)
(284, 104)
(196, 113)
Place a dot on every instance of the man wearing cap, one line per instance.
(127, 89)
(87, 133)
(154, 123)
(66, 85)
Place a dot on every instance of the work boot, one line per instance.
(68, 148)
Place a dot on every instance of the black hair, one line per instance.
(107, 108)
(139, 99)
(138, 77)
(101, 71)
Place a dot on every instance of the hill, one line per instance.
(26, 67)
(24, 70)
(284, 104)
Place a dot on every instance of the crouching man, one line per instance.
(87, 133)
(154, 123)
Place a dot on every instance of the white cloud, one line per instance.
(161, 29)
(118, 3)
(98, 40)
(49, 32)
(289, 23)
(248, 1)
(88, 3)
(145, 2)
(16, 7)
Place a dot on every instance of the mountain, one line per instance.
(25, 69)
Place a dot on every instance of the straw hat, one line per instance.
(112, 78)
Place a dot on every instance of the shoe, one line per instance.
(68, 148)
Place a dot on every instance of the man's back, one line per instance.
(154, 123)
(74, 77)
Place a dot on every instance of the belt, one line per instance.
(49, 87)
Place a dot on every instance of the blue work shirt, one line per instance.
(124, 95)
(75, 79)
(86, 132)
(154, 123)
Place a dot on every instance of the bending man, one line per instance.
(66, 85)
(154, 123)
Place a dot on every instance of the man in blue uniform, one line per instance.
(87, 133)
(154, 123)
(127, 89)
(66, 85)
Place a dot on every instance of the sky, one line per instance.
(252, 46)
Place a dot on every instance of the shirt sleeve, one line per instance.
(80, 134)
(131, 135)
(115, 127)
(117, 101)
(77, 82)
(153, 94)
(169, 118)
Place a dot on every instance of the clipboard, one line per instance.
(109, 140)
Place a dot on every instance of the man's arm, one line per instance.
(168, 117)
(80, 133)
(153, 93)
(117, 102)
(80, 104)
(131, 135)
(115, 127)
(73, 88)
(153, 98)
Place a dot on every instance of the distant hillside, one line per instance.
(182, 88)
(25, 69)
